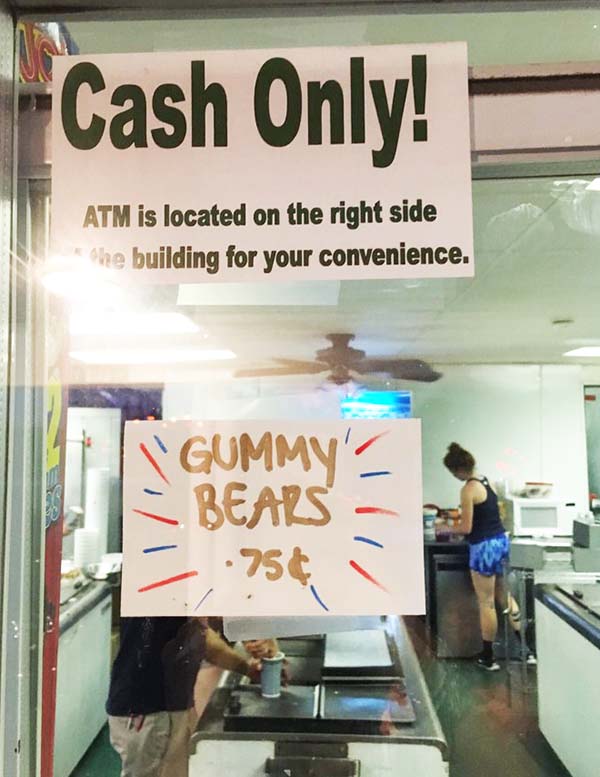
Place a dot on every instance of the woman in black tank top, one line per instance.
(486, 514)
(489, 548)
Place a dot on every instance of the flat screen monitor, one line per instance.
(377, 404)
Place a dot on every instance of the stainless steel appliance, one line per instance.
(458, 634)
(357, 705)
(586, 534)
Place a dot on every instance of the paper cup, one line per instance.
(270, 676)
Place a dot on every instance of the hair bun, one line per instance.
(457, 458)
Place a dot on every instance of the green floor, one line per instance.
(490, 724)
(100, 760)
(489, 719)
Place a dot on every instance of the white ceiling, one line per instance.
(537, 260)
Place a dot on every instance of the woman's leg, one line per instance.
(484, 590)
(508, 605)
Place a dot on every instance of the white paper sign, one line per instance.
(236, 166)
(257, 518)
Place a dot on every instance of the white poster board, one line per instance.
(236, 166)
(258, 518)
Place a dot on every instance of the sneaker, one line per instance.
(489, 666)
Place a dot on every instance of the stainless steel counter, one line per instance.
(81, 603)
(424, 730)
(568, 674)
(576, 605)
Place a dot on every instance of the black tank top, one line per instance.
(486, 516)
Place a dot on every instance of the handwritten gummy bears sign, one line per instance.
(261, 518)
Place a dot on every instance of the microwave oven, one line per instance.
(539, 517)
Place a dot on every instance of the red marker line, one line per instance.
(168, 581)
(154, 463)
(357, 568)
(375, 511)
(161, 518)
(368, 443)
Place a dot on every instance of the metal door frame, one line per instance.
(22, 412)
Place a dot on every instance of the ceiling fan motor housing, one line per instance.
(340, 354)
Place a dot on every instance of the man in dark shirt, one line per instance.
(151, 698)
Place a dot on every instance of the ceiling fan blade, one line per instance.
(274, 372)
(309, 368)
(404, 369)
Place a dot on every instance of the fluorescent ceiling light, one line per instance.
(586, 350)
(150, 355)
(77, 279)
(98, 323)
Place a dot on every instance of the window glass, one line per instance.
(501, 373)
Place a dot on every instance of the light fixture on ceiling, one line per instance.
(123, 324)
(119, 356)
(77, 279)
(586, 350)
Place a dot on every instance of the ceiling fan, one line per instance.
(341, 360)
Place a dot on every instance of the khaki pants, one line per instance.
(155, 745)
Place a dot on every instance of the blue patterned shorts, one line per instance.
(487, 557)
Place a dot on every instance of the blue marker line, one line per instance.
(375, 474)
(368, 541)
(318, 598)
(210, 590)
(160, 444)
(159, 547)
(152, 493)
(347, 435)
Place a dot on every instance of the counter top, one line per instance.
(81, 603)
(458, 544)
(425, 730)
(579, 606)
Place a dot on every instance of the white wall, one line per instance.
(521, 422)
(231, 399)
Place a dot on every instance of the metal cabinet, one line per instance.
(82, 684)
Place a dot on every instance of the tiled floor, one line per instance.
(490, 724)
(489, 719)
(100, 760)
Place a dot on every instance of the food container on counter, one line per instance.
(429, 516)
(535, 490)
